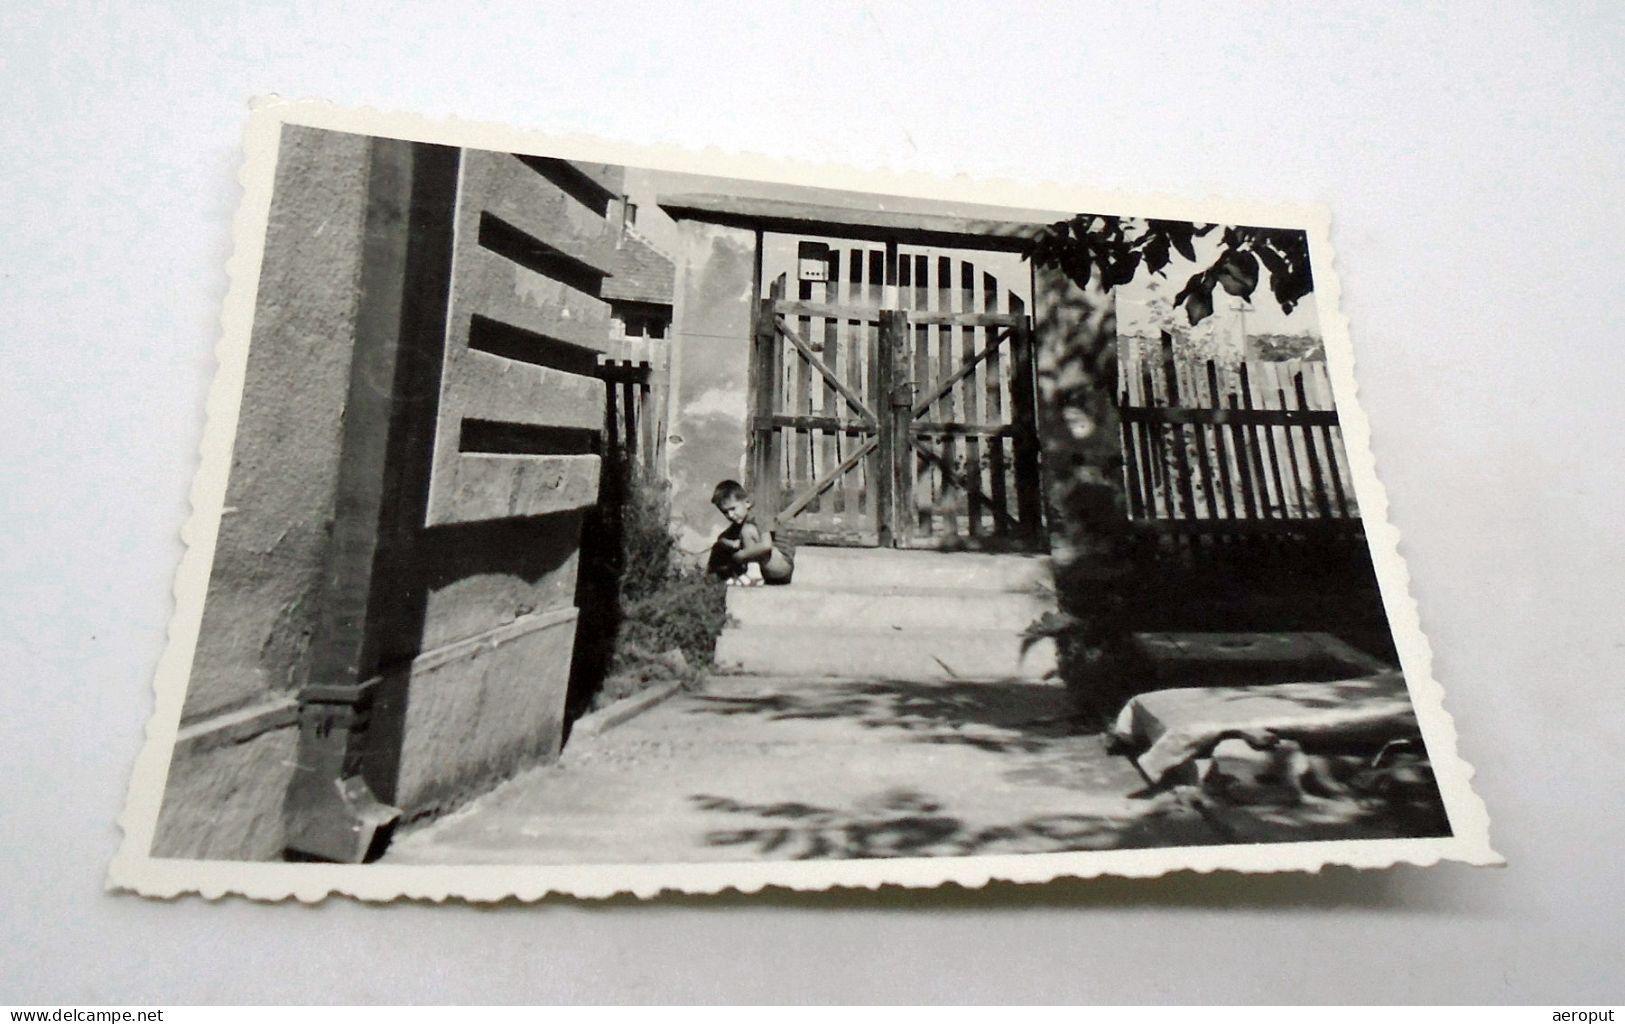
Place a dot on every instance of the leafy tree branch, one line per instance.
(1111, 251)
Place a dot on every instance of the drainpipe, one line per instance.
(331, 813)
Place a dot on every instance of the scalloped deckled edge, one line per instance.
(135, 870)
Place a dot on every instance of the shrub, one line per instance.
(650, 615)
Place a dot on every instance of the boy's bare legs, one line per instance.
(776, 568)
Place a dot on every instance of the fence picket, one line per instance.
(1322, 502)
(1255, 455)
(1187, 499)
(1218, 442)
(1203, 463)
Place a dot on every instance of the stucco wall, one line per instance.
(273, 536)
(707, 433)
(231, 768)
(225, 789)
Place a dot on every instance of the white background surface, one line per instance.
(1471, 154)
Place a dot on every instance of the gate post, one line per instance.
(896, 390)
(766, 374)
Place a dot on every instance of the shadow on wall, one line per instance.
(454, 710)
(458, 581)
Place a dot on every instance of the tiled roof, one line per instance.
(639, 273)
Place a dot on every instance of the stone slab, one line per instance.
(1173, 726)
(915, 654)
(1215, 657)
(964, 571)
(884, 607)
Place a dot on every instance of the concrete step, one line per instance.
(904, 654)
(886, 607)
(867, 568)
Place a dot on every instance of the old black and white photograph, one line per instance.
(627, 525)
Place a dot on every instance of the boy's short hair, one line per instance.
(729, 490)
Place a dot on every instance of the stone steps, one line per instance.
(903, 615)
(885, 607)
(916, 655)
(842, 568)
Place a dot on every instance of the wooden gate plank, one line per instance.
(828, 450)
(893, 324)
(811, 362)
(922, 490)
(804, 473)
(952, 495)
(848, 333)
(993, 378)
(976, 493)
(969, 404)
(823, 483)
(879, 473)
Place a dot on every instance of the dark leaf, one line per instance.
(1198, 281)
(1156, 253)
(1119, 272)
(1237, 272)
(1273, 261)
(1178, 233)
(1078, 267)
(1182, 242)
(1199, 304)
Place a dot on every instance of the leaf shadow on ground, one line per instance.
(1038, 724)
(1012, 716)
(908, 823)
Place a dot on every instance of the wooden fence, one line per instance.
(1224, 451)
(631, 428)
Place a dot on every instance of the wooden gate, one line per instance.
(909, 427)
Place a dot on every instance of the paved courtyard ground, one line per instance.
(757, 768)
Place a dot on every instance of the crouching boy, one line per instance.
(745, 554)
